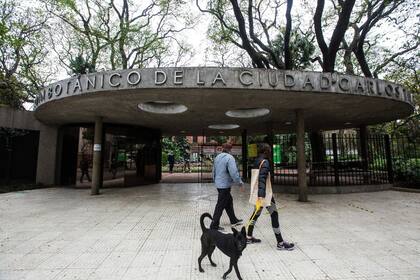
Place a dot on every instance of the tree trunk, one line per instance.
(360, 56)
(287, 55)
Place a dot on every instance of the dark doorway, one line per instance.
(69, 140)
(18, 155)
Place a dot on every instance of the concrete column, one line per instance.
(47, 152)
(159, 157)
(301, 162)
(244, 155)
(97, 157)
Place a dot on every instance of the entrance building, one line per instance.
(128, 111)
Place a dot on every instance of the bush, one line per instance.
(348, 157)
(378, 164)
(164, 158)
(407, 170)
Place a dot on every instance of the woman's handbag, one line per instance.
(253, 196)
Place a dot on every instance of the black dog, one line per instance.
(230, 244)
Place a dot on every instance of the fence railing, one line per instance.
(350, 160)
(336, 160)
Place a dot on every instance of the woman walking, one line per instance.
(264, 164)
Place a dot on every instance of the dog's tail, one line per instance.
(204, 215)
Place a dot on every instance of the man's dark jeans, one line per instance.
(224, 202)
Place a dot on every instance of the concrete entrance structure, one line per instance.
(329, 101)
(192, 101)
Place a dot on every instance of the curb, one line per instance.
(399, 189)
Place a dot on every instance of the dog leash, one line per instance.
(258, 206)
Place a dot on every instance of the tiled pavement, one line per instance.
(153, 233)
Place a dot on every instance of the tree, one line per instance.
(371, 14)
(252, 26)
(409, 127)
(119, 34)
(22, 53)
(329, 52)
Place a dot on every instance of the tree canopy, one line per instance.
(42, 39)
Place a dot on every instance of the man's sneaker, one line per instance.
(252, 240)
(237, 223)
(285, 246)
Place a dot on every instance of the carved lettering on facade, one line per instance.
(232, 78)
(245, 81)
(158, 80)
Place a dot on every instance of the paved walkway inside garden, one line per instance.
(153, 233)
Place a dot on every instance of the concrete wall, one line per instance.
(47, 150)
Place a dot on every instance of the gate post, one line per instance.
(335, 156)
(388, 156)
(97, 167)
(301, 161)
(270, 141)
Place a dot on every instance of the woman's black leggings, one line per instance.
(272, 209)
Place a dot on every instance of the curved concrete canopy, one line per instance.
(329, 101)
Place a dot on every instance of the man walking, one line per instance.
(171, 161)
(225, 174)
(84, 168)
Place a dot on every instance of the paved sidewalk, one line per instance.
(153, 233)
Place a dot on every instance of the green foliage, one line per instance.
(79, 65)
(11, 93)
(67, 4)
(378, 163)
(348, 157)
(183, 145)
(177, 145)
(301, 49)
(407, 170)
(218, 139)
(22, 53)
(409, 77)
(88, 134)
(164, 158)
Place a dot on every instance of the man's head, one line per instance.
(264, 149)
(227, 147)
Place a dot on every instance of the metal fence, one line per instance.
(333, 160)
(348, 160)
